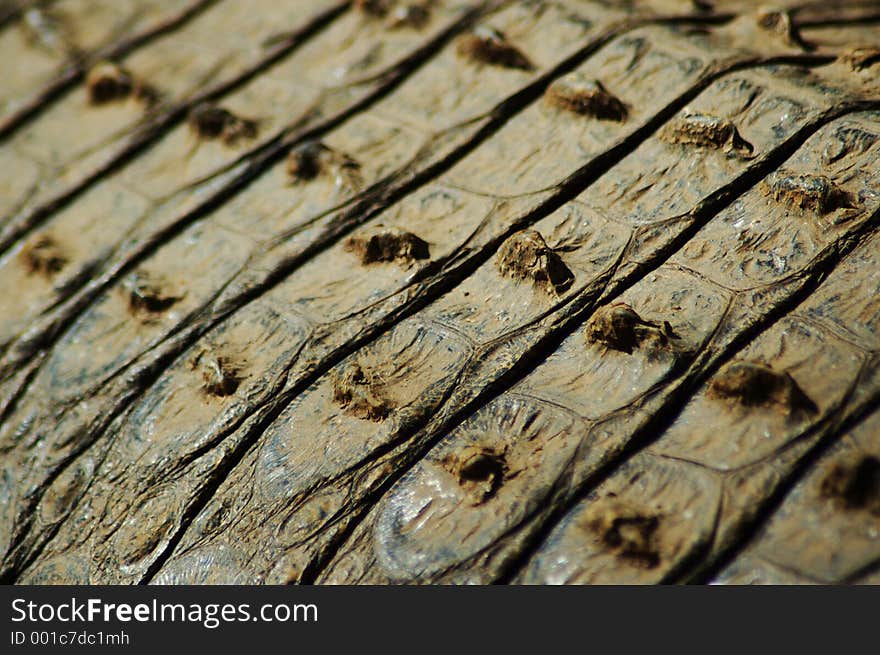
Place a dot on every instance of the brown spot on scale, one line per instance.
(815, 193)
(220, 376)
(361, 393)
(480, 471)
(854, 484)
(388, 245)
(526, 256)
(304, 162)
(148, 294)
(398, 15)
(754, 384)
(627, 532)
(707, 131)
(374, 8)
(586, 97)
(619, 327)
(412, 15)
(211, 122)
(779, 23)
(488, 46)
(311, 159)
(108, 82)
(43, 256)
(860, 57)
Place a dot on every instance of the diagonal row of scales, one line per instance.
(243, 230)
(126, 317)
(74, 136)
(299, 451)
(490, 483)
(161, 190)
(704, 482)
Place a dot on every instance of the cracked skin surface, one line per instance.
(449, 291)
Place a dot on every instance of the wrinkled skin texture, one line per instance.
(462, 291)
